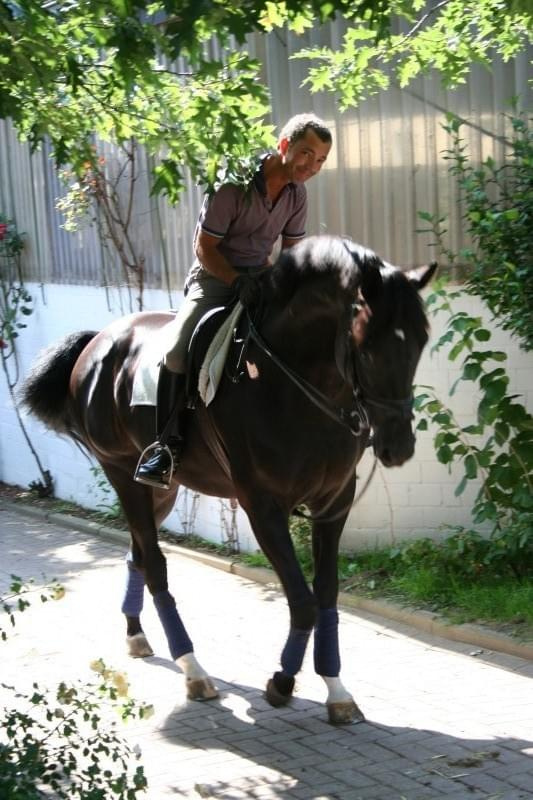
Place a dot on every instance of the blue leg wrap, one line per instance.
(294, 651)
(326, 649)
(177, 637)
(132, 603)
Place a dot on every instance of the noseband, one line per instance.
(402, 408)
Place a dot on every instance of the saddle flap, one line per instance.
(211, 350)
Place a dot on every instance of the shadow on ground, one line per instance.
(297, 750)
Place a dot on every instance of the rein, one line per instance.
(297, 512)
(356, 420)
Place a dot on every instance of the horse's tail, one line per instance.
(45, 391)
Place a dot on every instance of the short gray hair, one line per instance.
(297, 127)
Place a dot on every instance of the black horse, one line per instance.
(330, 365)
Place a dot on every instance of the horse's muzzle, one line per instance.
(395, 447)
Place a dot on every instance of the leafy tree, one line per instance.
(447, 36)
(126, 69)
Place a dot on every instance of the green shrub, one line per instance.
(60, 742)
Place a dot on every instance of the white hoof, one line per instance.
(201, 689)
(199, 684)
(346, 713)
(342, 708)
(138, 646)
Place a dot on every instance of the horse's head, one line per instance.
(378, 323)
(389, 332)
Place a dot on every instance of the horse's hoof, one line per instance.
(274, 696)
(138, 646)
(347, 713)
(201, 689)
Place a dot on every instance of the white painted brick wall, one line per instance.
(401, 503)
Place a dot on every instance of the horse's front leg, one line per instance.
(342, 708)
(270, 526)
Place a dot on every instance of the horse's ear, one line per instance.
(421, 276)
(371, 280)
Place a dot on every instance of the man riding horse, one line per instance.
(236, 232)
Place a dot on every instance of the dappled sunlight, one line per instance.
(73, 553)
(239, 706)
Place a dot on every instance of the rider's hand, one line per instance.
(247, 289)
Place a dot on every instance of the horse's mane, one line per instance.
(397, 302)
(321, 255)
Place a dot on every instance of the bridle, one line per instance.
(402, 408)
(356, 420)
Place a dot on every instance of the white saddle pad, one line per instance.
(144, 389)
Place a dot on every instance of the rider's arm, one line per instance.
(211, 259)
(286, 243)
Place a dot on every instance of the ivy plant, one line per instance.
(498, 203)
(15, 307)
(497, 448)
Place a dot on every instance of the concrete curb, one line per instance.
(422, 620)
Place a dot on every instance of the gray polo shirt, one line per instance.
(247, 223)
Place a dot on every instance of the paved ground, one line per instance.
(443, 721)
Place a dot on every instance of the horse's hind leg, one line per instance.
(144, 508)
(342, 708)
(132, 605)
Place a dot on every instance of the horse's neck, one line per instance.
(304, 338)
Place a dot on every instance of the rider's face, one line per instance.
(304, 157)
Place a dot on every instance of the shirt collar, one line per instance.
(258, 179)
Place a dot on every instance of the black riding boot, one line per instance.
(165, 453)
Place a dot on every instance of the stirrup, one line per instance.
(150, 481)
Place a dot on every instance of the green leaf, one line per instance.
(444, 454)
(471, 371)
(461, 486)
(470, 464)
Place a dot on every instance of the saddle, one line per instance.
(207, 353)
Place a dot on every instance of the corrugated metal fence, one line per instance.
(385, 166)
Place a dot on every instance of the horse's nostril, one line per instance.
(385, 458)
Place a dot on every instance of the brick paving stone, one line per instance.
(431, 706)
(487, 783)
(522, 780)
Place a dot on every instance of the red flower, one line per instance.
(3, 230)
